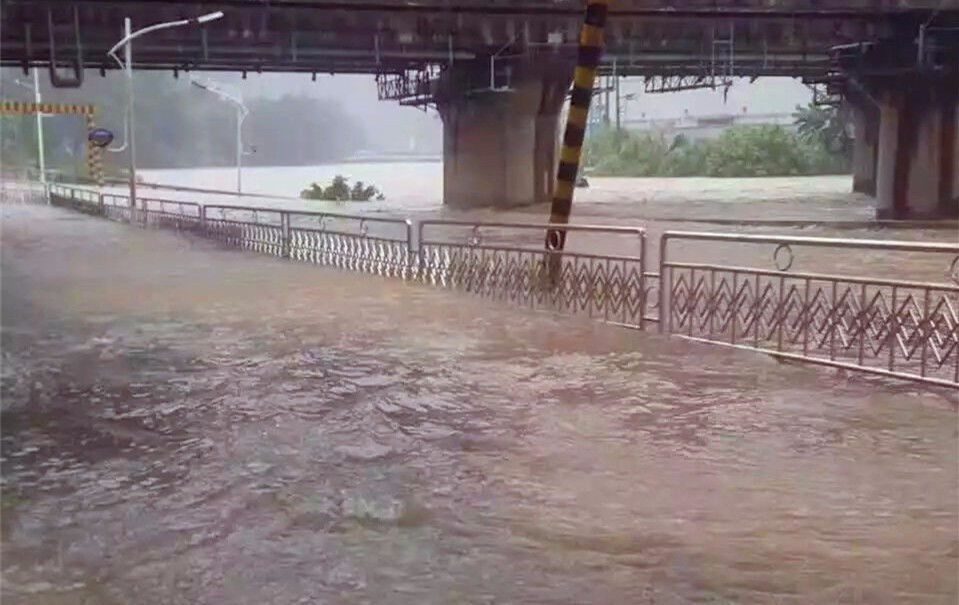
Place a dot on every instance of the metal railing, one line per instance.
(170, 214)
(507, 262)
(897, 328)
(872, 321)
(256, 229)
(381, 246)
(358, 243)
(21, 193)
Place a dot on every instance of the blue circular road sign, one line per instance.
(100, 137)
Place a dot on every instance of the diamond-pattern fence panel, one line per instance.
(891, 327)
(509, 262)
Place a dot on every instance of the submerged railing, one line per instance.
(756, 297)
(507, 262)
(904, 329)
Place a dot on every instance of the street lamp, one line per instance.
(127, 65)
(41, 162)
(241, 112)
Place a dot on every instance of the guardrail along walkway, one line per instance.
(743, 291)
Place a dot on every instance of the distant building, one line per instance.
(708, 126)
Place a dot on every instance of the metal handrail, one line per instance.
(872, 325)
(811, 241)
(638, 232)
(812, 276)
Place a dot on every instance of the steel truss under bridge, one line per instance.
(414, 88)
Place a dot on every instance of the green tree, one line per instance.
(755, 151)
(740, 151)
(178, 125)
(825, 126)
(340, 191)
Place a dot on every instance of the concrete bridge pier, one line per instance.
(912, 82)
(500, 142)
(916, 165)
(865, 118)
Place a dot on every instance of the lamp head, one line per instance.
(209, 17)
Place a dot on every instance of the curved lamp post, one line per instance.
(241, 112)
(41, 164)
(127, 66)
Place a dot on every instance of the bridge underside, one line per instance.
(648, 37)
(498, 70)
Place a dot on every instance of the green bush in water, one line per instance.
(756, 151)
(340, 191)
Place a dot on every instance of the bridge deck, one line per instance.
(643, 38)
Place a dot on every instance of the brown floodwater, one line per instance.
(186, 424)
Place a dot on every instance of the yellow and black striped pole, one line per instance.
(94, 153)
(584, 78)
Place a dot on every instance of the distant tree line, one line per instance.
(820, 145)
(179, 125)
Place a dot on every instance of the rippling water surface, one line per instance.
(417, 187)
(183, 424)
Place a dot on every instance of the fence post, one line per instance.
(285, 229)
(133, 212)
(410, 269)
(203, 220)
(665, 315)
(642, 280)
(420, 254)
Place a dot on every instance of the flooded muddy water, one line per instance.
(186, 424)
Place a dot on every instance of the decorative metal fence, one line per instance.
(256, 229)
(82, 200)
(170, 214)
(381, 246)
(872, 321)
(904, 329)
(508, 262)
(21, 193)
(116, 207)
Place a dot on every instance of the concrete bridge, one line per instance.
(499, 71)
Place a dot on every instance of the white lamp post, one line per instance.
(127, 65)
(241, 112)
(41, 161)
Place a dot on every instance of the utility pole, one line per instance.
(241, 112)
(606, 102)
(131, 123)
(127, 65)
(41, 160)
(37, 99)
(618, 113)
